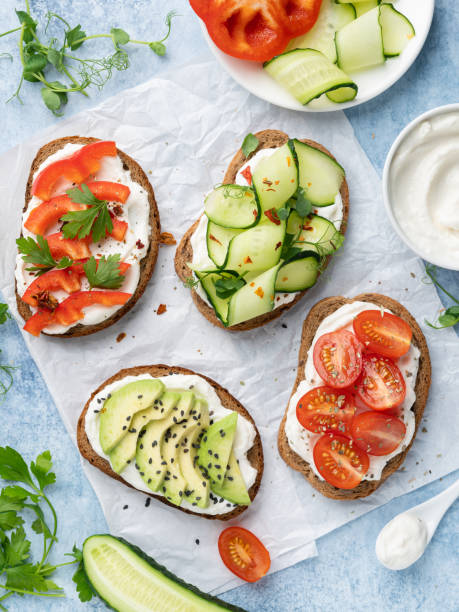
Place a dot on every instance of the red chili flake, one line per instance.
(46, 301)
(247, 260)
(272, 216)
(162, 308)
(279, 244)
(118, 210)
(260, 292)
(120, 337)
(247, 174)
(255, 213)
(252, 284)
(267, 182)
(139, 244)
(167, 238)
(308, 228)
(212, 237)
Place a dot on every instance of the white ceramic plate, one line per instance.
(371, 82)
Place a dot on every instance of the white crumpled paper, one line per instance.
(184, 130)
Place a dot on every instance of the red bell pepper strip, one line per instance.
(67, 280)
(68, 247)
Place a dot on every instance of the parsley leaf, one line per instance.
(105, 272)
(83, 586)
(13, 466)
(95, 218)
(226, 286)
(249, 144)
(38, 253)
(17, 547)
(4, 314)
(41, 470)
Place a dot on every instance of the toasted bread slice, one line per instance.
(255, 454)
(147, 264)
(269, 139)
(316, 315)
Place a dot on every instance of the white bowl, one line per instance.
(386, 175)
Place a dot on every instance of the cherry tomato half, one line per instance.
(325, 409)
(383, 333)
(243, 553)
(340, 461)
(337, 358)
(381, 385)
(377, 433)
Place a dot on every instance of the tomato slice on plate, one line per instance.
(325, 409)
(377, 433)
(66, 280)
(337, 358)
(75, 168)
(381, 385)
(340, 461)
(248, 30)
(301, 15)
(383, 333)
(243, 553)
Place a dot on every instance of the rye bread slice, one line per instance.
(268, 139)
(316, 315)
(255, 454)
(147, 264)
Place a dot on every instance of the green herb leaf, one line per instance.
(103, 224)
(303, 204)
(29, 24)
(9, 507)
(120, 37)
(158, 47)
(226, 286)
(17, 492)
(56, 58)
(105, 273)
(41, 470)
(35, 63)
(13, 466)
(76, 553)
(27, 578)
(283, 213)
(83, 586)
(17, 547)
(95, 219)
(51, 99)
(249, 144)
(4, 313)
(36, 252)
(73, 37)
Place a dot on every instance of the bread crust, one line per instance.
(255, 454)
(184, 254)
(316, 315)
(147, 264)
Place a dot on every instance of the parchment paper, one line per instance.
(183, 131)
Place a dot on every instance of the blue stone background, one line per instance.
(346, 575)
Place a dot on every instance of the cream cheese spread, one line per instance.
(301, 440)
(402, 541)
(424, 188)
(135, 211)
(201, 259)
(243, 441)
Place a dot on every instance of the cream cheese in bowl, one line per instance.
(421, 186)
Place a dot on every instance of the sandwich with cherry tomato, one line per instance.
(89, 238)
(361, 388)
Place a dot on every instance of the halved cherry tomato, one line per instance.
(200, 7)
(337, 358)
(377, 433)
(48, 213)
(301, 15)
(68, 247)
(248, 30)
(76, 168)
(340, 461)
(383, 333)
(71, 309)
(325, 409)
(243, 553)
(67, 280)
(381, 385)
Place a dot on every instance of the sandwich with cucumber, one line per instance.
(177, 436)
(267, 233)
(89, 237)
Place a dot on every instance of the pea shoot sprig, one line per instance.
(6, 371)
(78, 74)
(450, 316)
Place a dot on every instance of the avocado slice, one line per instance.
(149, 460)
(196, 488)
(233, 488)
(121, 406)
(124, 451)
(215, 447)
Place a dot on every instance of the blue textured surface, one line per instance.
(346, 575)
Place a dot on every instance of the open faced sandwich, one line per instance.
(177, 436)
(89, 237)
(266, 233)
(362, 384)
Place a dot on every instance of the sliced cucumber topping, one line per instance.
(307, 74)
(275, 179)
(130, 581)
(315, 230)
(219, 304)
(256, 249)
(298, 274)
(218, 239)
(363, 7)
(232, 206)
(254, 299)
(397, 30)
(319, 175)
(359, 44)
(321, 36)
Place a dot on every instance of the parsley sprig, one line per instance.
(105, 272)
(6, 380)
(78, 74)
(96, 218)
(450, 316)
(37, 252)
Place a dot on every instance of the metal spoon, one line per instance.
(404, 539)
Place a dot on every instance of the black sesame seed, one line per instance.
(128, 418)
(210, 452)
(185, 450)
(197, 541)
(96, 411)
(139, 396)
(147, 502)
(125, 507)
(141, 446)
(142, 473)
(163, 462)
(124, 427)
(149, 480)
(150, 461)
